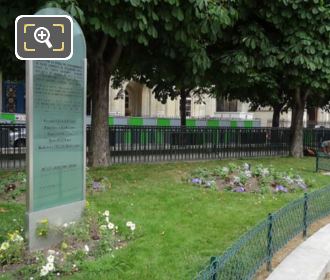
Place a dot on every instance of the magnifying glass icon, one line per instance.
(41, 35)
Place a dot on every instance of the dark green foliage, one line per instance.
(277, 53)
(277, 45)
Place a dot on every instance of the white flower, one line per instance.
(289, 180)
(237, 179)
(248, 173)
(65, 225)
(225, 169)
(107, 219)
(264, 172)
(4, 246)
(16, 237)
(106, 213)
(31, 278)
(74, 266)
(19, 238)
(111, 226)
(50, 266)
(131, 225)
(246, 166)
(58, 274)
(86, 249)
(50, 259)
(44, 271)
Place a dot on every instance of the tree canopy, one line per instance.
(9, 64)
(277, 47)
(168, 38)
(160, 42)
(175, 64)
(258, 51)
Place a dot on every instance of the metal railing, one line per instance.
(12, 146)
(149, 143)
(257, 247)
(146, 144)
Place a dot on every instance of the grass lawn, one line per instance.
(179, 226)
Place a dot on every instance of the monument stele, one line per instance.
(56, 140)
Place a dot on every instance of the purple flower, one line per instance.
(96, 185)
(280, 188)
(239, 189)
(196, 180)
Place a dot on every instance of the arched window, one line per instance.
(127, 108)
(225, 105)
(188, 107)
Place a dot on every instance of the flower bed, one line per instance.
(247, 178)
(87, 239)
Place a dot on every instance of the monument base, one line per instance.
(56, 216)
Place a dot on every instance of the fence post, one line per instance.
(269, 242)
(305, 214)
(214, 265)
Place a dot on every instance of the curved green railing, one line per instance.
(256, 247)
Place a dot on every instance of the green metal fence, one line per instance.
(257, 247)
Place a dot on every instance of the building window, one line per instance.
(225, 105)
(188, 107)
(127, 109)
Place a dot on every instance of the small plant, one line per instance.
(243, 178)
(202, 173)
(12, 249)
(222, 172)
(99, 184)
(42, 229)
(232, 167)
(13, 186)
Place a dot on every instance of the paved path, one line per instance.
(309, 261)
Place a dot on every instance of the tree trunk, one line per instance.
(297, 125)
(102, 60)
(99, 153)
(276, 115)
(183, 101)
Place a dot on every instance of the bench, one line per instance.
(322, 161)
(323, 157)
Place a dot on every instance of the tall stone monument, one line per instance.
(56, 96)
